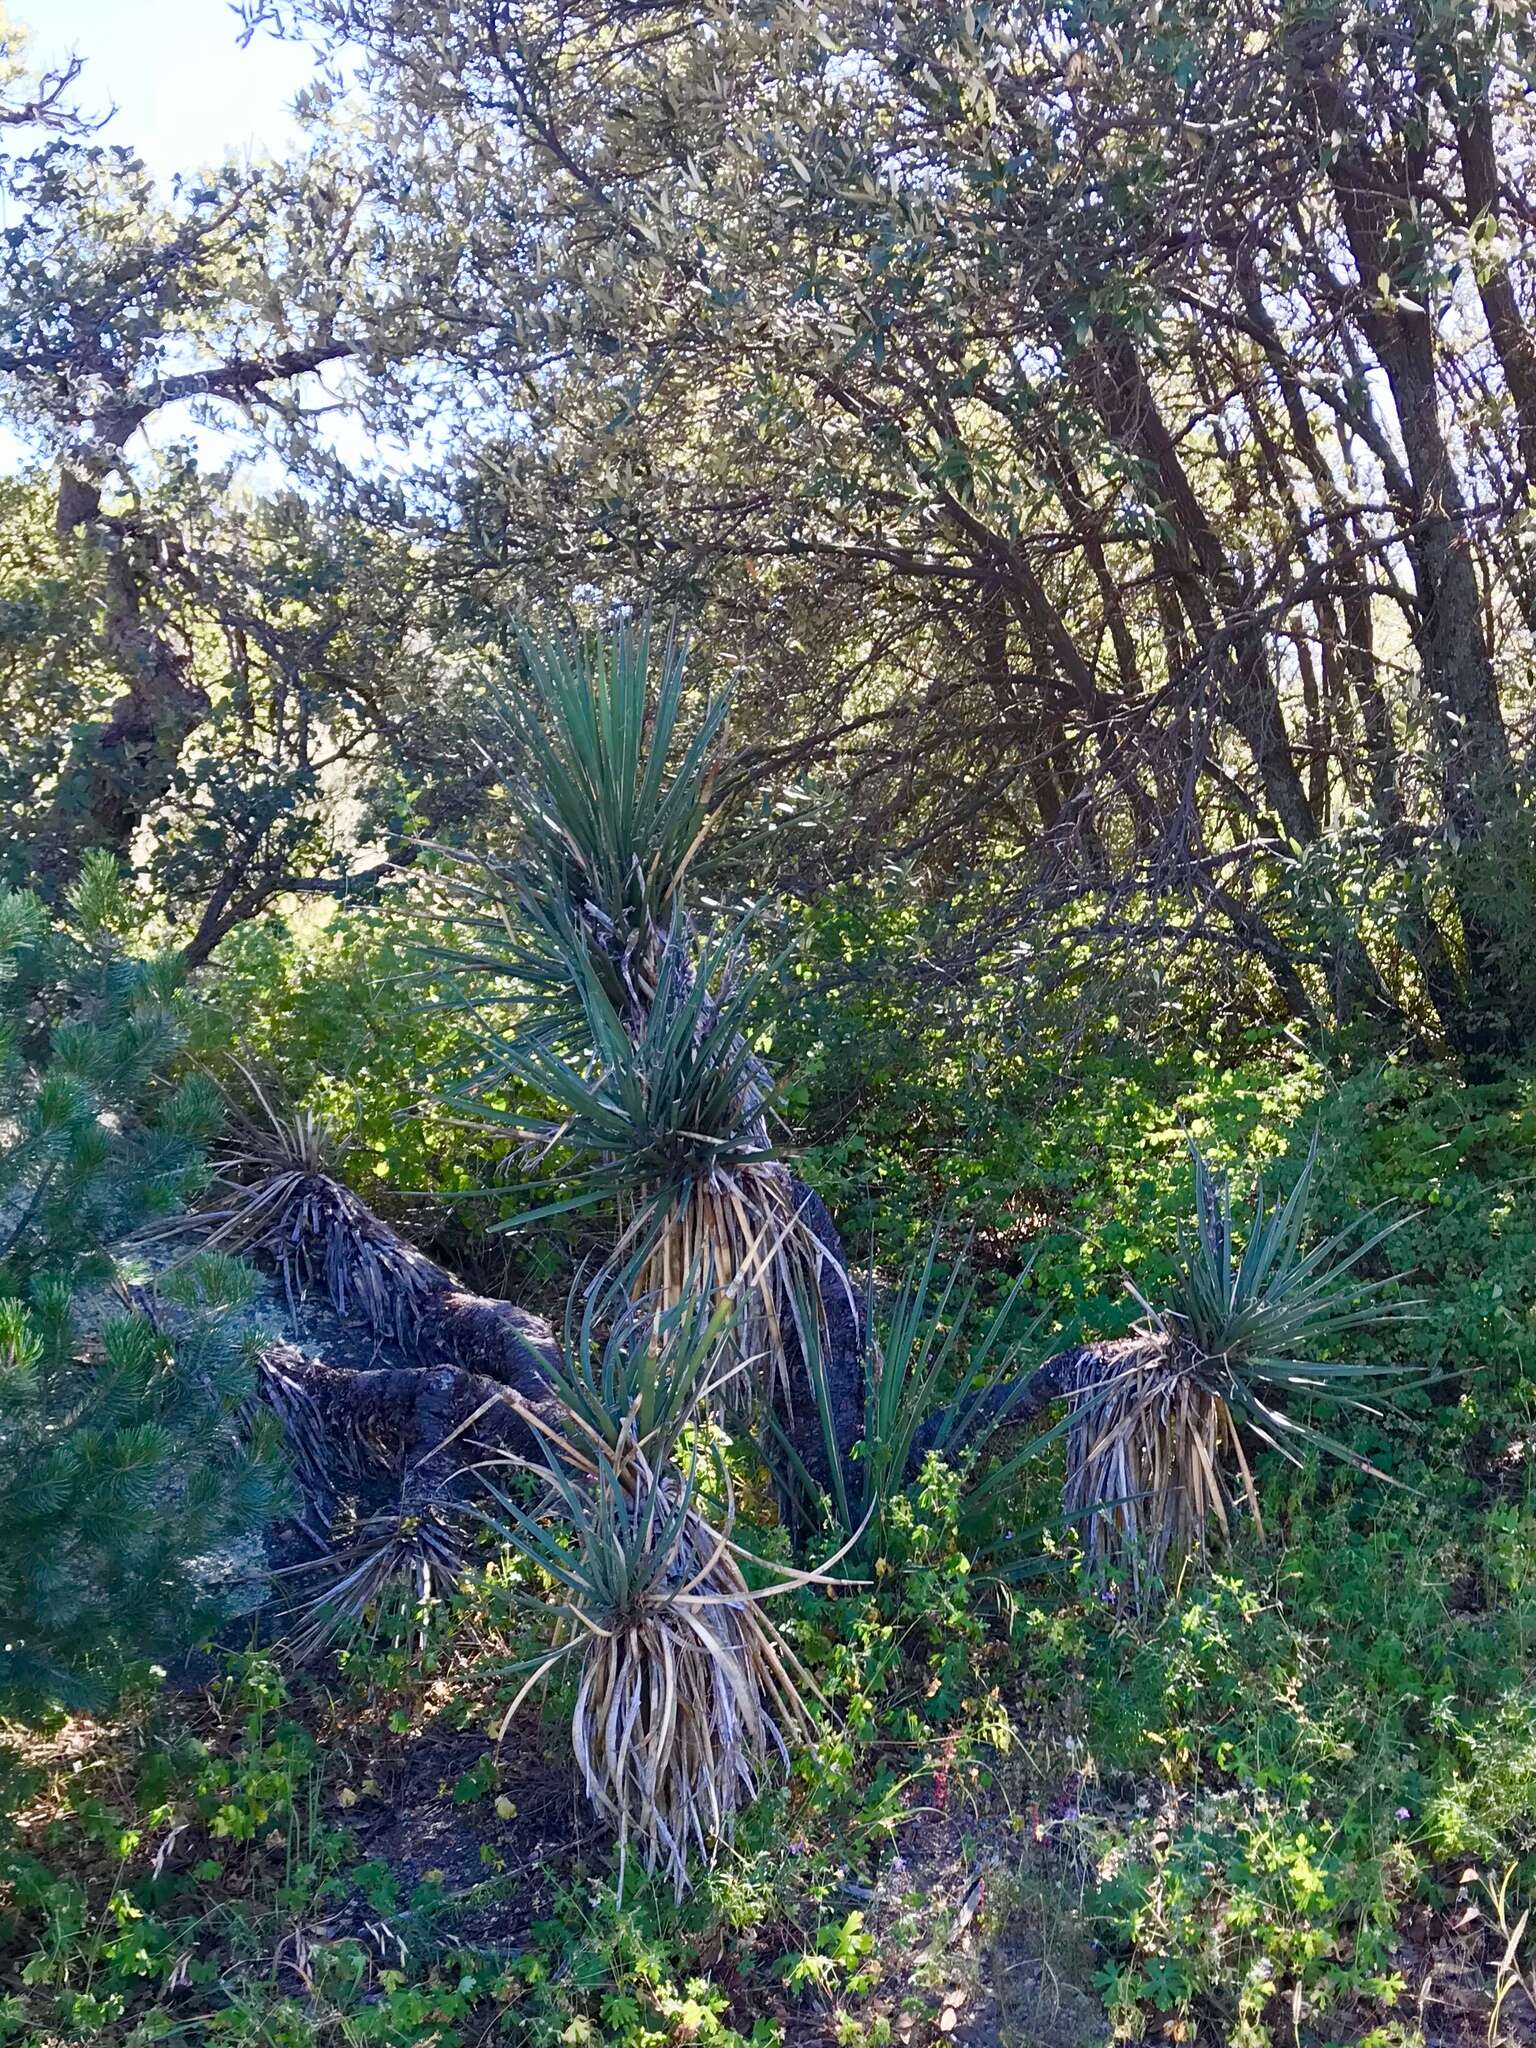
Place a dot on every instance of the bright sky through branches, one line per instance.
(186, 95)
(185, 91)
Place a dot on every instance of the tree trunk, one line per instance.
(120, 767)
(410, 1436)
(1129, 409)
(1476, 770)
(326, 1238)
(1501, 308)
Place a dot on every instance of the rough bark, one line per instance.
(466, 1346)
(122, 767)
(842, 1345)
(1501, 307)
(365, 1433)
(328, 1238)
(353, 1431)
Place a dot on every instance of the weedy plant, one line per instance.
(1155, 1453)
(591, 988)
(687, 1695)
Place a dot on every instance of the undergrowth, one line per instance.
(1294, 1802)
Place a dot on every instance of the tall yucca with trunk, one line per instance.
(638, 1032)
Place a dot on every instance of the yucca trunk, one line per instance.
(324, 1236)
(365, 1434)
(320, 1236)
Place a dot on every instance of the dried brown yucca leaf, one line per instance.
(1154, 1460)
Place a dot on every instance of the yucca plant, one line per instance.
(614, 807)
(395, 1565)
(942, 1376)
(664, 1128)
(594, 993)
(687, 1696)
(275, 1195)
(1155, 1455)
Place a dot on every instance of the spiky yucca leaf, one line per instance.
(1270, 1306)
(665, 1126)
(1155, 1454)
(613, 802)
(614, 797)
(658, 1363)
(656, 1106)
(942, 1377)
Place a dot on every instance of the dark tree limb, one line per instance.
(1014, 1403)
(325, 1236)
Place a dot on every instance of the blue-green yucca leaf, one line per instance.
(653, 1111)
(654, 1363)
(1267, 1310)
(935, 1380)
(613, 804)
(1160, 1461)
